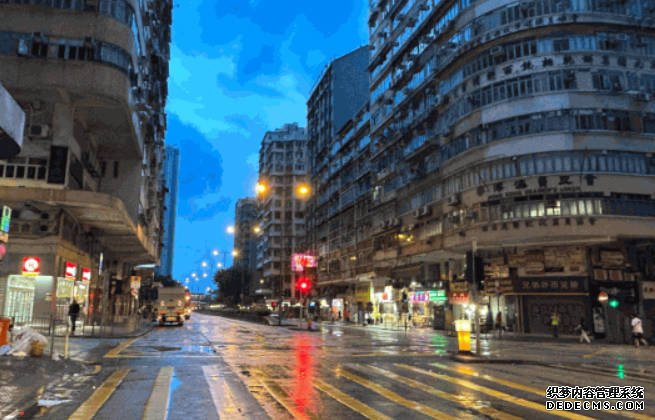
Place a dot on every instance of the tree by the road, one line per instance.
(232, 284)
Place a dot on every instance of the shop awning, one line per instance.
(104, 213)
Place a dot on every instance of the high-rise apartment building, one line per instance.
(338, 219)
(246, 233)
(283, 174)
(86, 191)
(524, 130)
(170, 177)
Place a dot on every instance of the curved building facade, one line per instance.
(523, 130)
(86, 191)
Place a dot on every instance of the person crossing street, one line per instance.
(73, 313)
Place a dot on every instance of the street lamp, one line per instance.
(235, 253)
(261, 188)
(303, 190)
(194, 274)
(204, 264)
(204, 275)
(219, 265)
(215, 253)
(257, 229)
(230, 229)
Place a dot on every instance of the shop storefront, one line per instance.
(17, 300)
(385, 308)
(427, 308)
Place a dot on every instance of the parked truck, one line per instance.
(172, 305)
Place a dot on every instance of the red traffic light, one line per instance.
(304, 284)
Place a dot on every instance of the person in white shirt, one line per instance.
(637, 331)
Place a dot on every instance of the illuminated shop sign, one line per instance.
(31, 266)
(70, 272)
(86, 274)
(301, 261)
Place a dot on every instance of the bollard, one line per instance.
(5, 323)
(463, 328)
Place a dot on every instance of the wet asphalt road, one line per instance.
(214, 367)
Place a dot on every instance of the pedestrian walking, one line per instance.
(583, 331)
(637, 331)
(554, 323)
(73, 313)
(499, 324)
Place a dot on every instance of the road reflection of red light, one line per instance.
(303, 374)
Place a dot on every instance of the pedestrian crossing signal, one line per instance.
(613, 303)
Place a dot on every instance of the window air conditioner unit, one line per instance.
(496, 51)
(39, 130)
(454, 200)
(91, 5)
(23, 47)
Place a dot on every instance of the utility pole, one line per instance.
(474, 295)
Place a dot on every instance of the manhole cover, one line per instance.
(164, 348)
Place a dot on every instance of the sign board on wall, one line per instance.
(70, 272)
(301, 261)
(86, 274)
(648, 290)
(31, 266)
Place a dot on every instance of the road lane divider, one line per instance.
(220, 392)
(494, 393)
(94, 403)
(465, 370)
(458, 399)
(114, 353)
(350, 402)
(282, 398)
(392, 396)
(160, 397)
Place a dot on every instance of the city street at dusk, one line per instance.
(215, 367)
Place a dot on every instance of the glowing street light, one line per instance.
(194, 275)
(257, 229)
(204, 264)
(219, 265)
(215, 253)
(303, 190)
(235, 253)
(204, 274)
(261, 188)
(230, 229)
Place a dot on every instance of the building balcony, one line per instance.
(105, 214)
(99, 93)
(113, 23)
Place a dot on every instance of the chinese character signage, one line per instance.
(5, 221)
(301, 261)
(70, 272)
(86, 274)
(31, 266)
(551, 285)
(437, 296)
(458, 298)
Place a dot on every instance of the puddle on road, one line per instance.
(198, 349)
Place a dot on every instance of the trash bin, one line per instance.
(5, 323)
(463, 328)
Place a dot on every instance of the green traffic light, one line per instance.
(613, 303)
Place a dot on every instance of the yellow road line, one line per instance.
(492, 392)
(160, 397)
(521, 387)
(221, 395)
(470, 372)
(113, 353)
(345, 399)
(459, 399)
(390, 395)
(96, 369)
(282, 398)
(94, 403)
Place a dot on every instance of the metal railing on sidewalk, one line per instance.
(59, 326)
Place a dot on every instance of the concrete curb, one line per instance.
(111, 337)
(470, 358)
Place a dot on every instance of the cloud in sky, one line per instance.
(239, 68)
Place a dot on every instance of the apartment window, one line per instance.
(115, 169)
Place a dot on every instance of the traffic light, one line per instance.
(474, 269)
(613, 302)
(304, 285)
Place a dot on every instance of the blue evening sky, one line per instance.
(239, 68)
